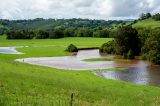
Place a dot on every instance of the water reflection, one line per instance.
(138, 75)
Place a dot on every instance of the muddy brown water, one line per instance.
(138, 72)
(137, 75)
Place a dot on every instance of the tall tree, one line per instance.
(127, 39)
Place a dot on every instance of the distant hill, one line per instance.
(50, 24)
(148, 23)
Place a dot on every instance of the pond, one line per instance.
(138, 72)
(9, 50)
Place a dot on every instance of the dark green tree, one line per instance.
(151, 49)
(102, 33)
(69, 32)
(156, 17)
(42, 34)
(127, 39)
(57, 33)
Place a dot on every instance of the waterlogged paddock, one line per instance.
(76, 62)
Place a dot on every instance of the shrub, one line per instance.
(72, 48)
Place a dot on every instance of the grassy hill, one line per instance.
(149, 23)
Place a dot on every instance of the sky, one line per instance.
(90, 9)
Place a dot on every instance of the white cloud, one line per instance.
(97, 9)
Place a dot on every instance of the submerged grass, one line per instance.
(23, 84)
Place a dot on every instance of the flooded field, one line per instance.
(138, 72)
(76, 62)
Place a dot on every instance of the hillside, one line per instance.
(149, 23)
(47, 24)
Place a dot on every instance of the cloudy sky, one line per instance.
(92, 9)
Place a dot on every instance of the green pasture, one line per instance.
(22, 84)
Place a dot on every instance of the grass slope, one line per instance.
(149, 23)
(23, 84)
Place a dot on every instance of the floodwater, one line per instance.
(9, 50)
(138, 72)
(137, 75)
(76, 62)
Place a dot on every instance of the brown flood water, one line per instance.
(139, 72)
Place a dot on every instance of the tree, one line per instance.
(57, 33)
(127, 39)
(148, 15)
(102, 33)
(84, 32)
(42, 34)
(145, 16)
(142, 16)
(151, 49)
(69, 32)
(156, 17)
(143, 34)
(20, 34)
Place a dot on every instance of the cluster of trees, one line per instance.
(156, 17)
(126, 43)
(145, 16)
(20, 34)
(58, 33)
(151, 48)
(131, 42)
(30, 34)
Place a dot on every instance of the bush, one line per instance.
(72, 48)
(107, 48)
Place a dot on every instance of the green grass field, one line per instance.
(148, 23)
(30, 85)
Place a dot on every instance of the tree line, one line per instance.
(144, 16)
(59, 33)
